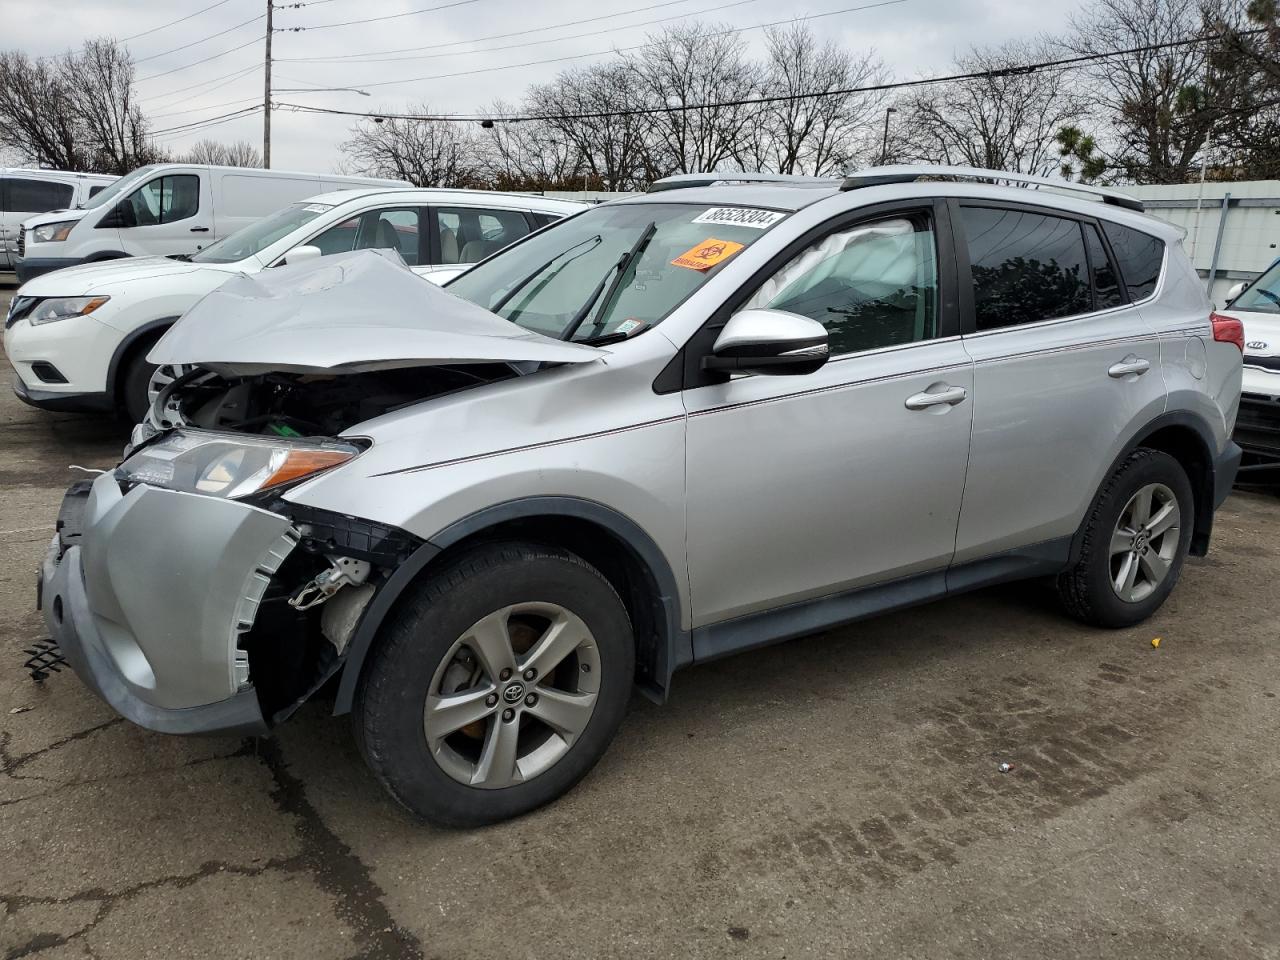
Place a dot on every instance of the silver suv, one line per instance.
(667, 429)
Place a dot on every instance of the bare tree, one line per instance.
(611, 148)
(427, 153)
(38, 120)
(1243, 88)
(528, 154)
(1149, 106)
(1006, 120)
(238, 154)
(814, 134)
(99, 81)
(698, 71)
(75, 112)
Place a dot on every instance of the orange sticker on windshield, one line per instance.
(707, 254)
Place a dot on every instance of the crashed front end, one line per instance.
(193, 612)
(184, 587)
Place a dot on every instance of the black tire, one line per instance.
(391, 695)
(1086, 589)
(135, 380)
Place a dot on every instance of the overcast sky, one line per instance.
(914, 37)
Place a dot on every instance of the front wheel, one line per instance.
(497, 686)
(1135, 541)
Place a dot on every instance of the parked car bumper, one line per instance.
(147, 594)
(1258, 427)
(28, 268)
(61, 402)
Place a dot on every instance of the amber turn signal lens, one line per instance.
(302, 463)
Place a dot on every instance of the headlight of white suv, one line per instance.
(231, 465)
(52, 232)
(59, 308)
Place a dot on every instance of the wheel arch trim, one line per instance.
(1204, 487)
(125, 347)
(674, 642)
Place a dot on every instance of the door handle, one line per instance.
(1130, 365)
(199, 229)
(923, 401)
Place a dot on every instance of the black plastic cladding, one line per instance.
(323, 531)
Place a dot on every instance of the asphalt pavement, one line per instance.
(836, 796)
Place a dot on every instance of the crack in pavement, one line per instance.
(109, 901)
(9, 764)
(337, 870)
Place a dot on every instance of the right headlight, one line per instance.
(52, 232)
(231, 465)
(59, 308)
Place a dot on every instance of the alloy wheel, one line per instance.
(1144, 543)
(512, 695)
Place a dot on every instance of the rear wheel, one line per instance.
(497, 686)
(1136, 539)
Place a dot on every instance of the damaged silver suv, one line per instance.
(667, 429)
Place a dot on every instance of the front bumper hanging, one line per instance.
(147, 594)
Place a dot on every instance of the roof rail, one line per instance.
(682, 181)
(908, 173)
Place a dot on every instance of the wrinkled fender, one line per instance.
(675, 645)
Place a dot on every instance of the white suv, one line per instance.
(671, 428)
(77, 338)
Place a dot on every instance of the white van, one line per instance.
(167, 209)
(24, 192)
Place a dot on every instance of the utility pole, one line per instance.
(266, 96)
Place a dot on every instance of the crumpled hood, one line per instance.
(91, 278)
(347, 313)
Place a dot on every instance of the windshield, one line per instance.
(614, 270)
(114, 190)
(1263, 295)
(258, 236)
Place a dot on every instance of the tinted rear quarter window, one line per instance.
(1106, 285)
(1026, 266)
(37, 196)
(1139, 256)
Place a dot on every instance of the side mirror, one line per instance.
(769, 342)
(301, 255)
(1236, 291)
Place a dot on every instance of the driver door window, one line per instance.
(874, 285)
(166, 200)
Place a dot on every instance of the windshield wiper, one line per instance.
(524, 281)
(618, 271)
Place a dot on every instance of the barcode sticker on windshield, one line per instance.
(740, 217)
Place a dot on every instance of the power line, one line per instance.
(496, 36)
(208, 106)
(534, 43)
(212, 84)
(599, 53)
(196, 43)
(162, 26)
(1063, 64)
(209, 121)
(391, 16)
(188, 66)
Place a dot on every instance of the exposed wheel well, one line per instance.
(601, 547)
(1186, 446)
(141, 341)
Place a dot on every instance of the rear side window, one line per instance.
(1026, 267)
(468, 235)
(1140, 257)
(1106, 285)
(36, 196)
(94, 191)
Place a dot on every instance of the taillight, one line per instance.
(1228, 330)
